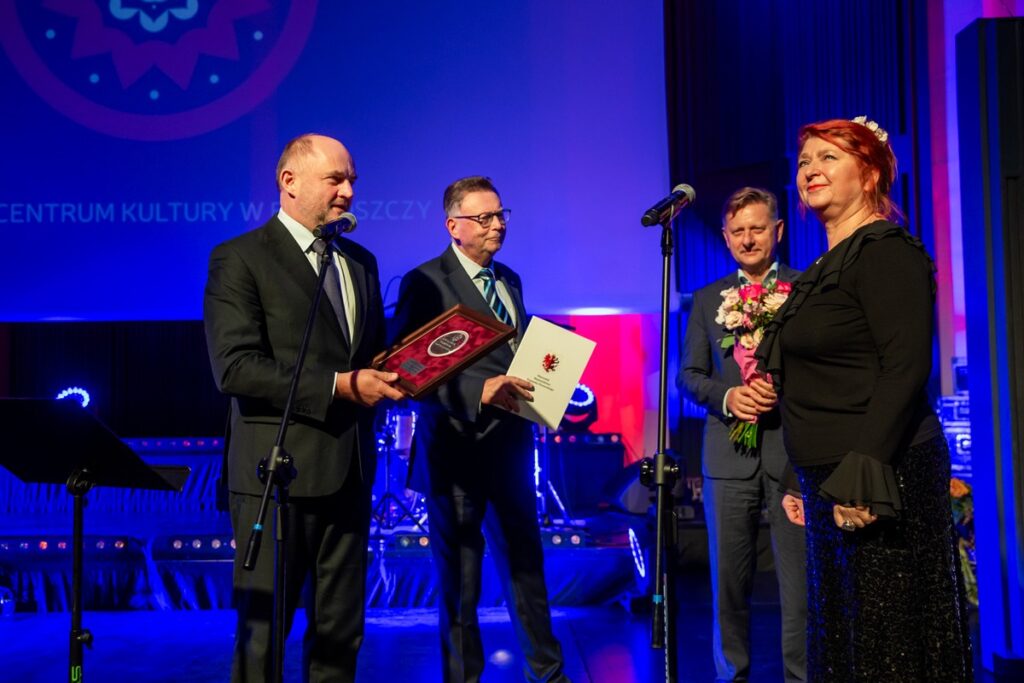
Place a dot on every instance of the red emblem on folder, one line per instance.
(550, 362)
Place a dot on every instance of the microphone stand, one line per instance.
(277, 471)
(661, 474)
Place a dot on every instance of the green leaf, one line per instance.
(728, 341)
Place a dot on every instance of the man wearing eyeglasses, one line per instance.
(473, 461)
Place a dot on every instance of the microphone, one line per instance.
(328, 231)
(668, 208)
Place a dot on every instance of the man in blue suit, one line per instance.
(472, 460)
(738, 484)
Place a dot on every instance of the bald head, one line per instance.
(315, 177)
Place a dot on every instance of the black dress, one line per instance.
(851, 350)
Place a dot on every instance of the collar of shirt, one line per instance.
(302, 235)
(771, 276)
(471, 267)
(304, 238)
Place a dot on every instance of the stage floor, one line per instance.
(601, 645)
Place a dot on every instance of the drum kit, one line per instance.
(397, 507)
(393, 502)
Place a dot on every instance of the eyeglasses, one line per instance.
(485, 219)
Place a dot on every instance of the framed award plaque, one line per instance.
(443, 347)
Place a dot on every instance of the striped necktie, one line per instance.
(491, 296)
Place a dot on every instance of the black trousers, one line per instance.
(504, 509)
(327, 540)
(732, 508)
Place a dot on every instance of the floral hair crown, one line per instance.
(879, 132)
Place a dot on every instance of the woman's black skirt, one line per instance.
(886, 603)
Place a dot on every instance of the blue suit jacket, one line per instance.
(456, 437)
(707, 372)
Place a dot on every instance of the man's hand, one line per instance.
(366, 387)
(747, 402)
(504, 391)
(696, 486)
(794, 508)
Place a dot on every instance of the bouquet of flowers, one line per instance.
(962, 500)
(744, 313)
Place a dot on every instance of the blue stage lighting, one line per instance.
(79, 392)
(582, 397)
(638, 554)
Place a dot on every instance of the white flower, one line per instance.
(731, 296)
(747, 341)
(733, 319)
(773, 302)
(873, 127)
(758, 336)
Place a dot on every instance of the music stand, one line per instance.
(49, 441)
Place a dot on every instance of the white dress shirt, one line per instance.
(304, 238)
(473, 269)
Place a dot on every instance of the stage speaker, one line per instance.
(582, 468)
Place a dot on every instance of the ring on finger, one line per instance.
(848, 525)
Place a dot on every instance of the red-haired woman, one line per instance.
(852, 352)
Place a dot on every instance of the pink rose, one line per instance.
(784, 287)
(752, 291)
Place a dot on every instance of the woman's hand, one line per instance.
(852, 518)
(794, 508)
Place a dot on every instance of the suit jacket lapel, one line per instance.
(787, 274)
(295, 264)
(359, 307)
(467, 293)
(517, 300)
(460, 282)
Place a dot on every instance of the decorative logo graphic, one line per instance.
(550, 362)
(118, 10)
(448, 343)
(154, 69)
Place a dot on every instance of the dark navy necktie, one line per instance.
(491, 296)
(332, 288)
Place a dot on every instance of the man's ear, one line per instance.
(450, 224)
(287, 181)
(780, 227)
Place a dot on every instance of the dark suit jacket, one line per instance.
(707, 372)
(455, 436)
(258, 294)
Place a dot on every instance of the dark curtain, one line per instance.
(742, 76)
(145, 378)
